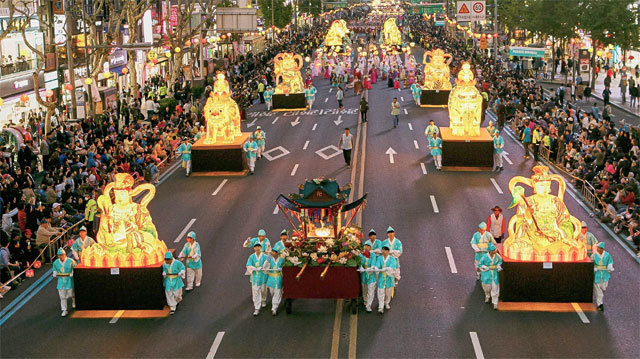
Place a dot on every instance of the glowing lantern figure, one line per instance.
(288, 78)
(127, 236)
(436, 72)
(542, 230)
(390, 33)
(222, 114)
(465, 105)
(336, 33)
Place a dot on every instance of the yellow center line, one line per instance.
(353, 335)
(335, 341)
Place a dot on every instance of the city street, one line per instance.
(438, 309)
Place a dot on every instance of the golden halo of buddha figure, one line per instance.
(336, 33)
(391, 34)
(465, 104)
(222, 114)
(287, 69)
(436, 71)
(542, 229)
(127, 236)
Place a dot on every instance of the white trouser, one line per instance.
(173, 297)
(65, 294)
(260, 150)
(256, 295)
(497, 158)
(268, 104)
(252, 163)
(599, 289)
(187, 166)
(384, 297)
(417, 100)
(437, 160)
(491, 290)
(276, 297)
(368, 293)
(193, 274)
(310, 103)
(475, 265)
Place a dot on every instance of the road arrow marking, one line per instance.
(424, 168)
(405, 112)
(338, 121)
(275, 120)
(415, 143)
(504, 155)
(391, 152)
(295, 168)
(184, 231)
(434, 204)
(452, 263)
(296, 122)
(495, 184)
(314, 127)
(250, 124)
(215, 193)
(306, 144)
(410, 126)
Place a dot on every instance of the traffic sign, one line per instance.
(471, 10)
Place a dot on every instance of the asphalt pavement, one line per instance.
(438, 310)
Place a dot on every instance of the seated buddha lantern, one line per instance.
(391, 35)
(222, 114)
(465, 105)
(337, 32)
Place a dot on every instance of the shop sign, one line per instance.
(118, 58)
(526, 51)
(173, 18)
(18, 85)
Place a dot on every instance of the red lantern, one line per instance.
(187, 43)
(631, 57)
(125, 70)
(68, 87)
(223, 37)
(204, 41)
(155, 61)
(24, 98)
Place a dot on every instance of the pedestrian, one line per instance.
(606, 95)
(191, 252)
(489, 265)
(255, 264)
(346, 145)
(431, 130)
(416, 91)
(274, 279)
(81, 243)
(185, 151)
(603, 266)
(260, 239)
(364, 108)
(260, 136)
(480, 242)
(526, 140)
(310, 95)
(496, 224)
(498, 149)
(173, 274)
(623, 88)
(387, 265)
(395, 249)
(261, 91)
(435, 145)
(368, 277)
(251, 148)
(268, 95)
(535, 141)
(340, 97)
(395, 111)
(63, 270)
(587, 238)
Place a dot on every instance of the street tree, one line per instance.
(311, 7)
(281, 13)
(133, 13)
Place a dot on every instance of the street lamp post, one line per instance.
(273, 25)
(495, 28)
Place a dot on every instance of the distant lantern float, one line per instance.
(222, 114)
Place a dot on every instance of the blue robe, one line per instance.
(274, 279)
(368, 277)
(600, 264)
(266, 245)
(385, 280)
(258, 278)
(435, 143)
(63, 270)
(173, 275)
(490, 276)
(482, 241)
(186, 252)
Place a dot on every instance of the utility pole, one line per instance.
(70, 68)
(495, 28)
(273, 24)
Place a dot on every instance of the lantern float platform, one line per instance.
(289, 102)
(466, 153)
(219, 159)
(434, 98)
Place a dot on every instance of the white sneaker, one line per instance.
(64, 313)
(197, 285)
(73, 304)
(264, 305)
(387, 306)
(495, 307)
(274, 312)
(486, 299)
(381, 311)
(368, 309)
(256, 312)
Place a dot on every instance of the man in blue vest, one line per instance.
(480, 244)
(489, 265)
(602, 266)
(255, 265)
(368, 276)
(63, 270)
(386, 278)
(274, 279)
(498, 148)
(435, 144)
(191, 251)
(185, 152)
(251, 149)
(173, 274)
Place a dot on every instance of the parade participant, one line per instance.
(268, 95)
(173, 274)
(435, 144)
(346, 145)
(255, 264)
(185, 151)
(376, 244)
(274, 279)
(364, 108)
(261, 239)
(588, 238)
(480, 242)
(602, 265)
(251, 148)
(489, 265)
(368, 278)
(191, 251)
(386, 278)
(498, 148)
(395, 111)
(340, 97)
(310, 95)
(496, 224)
(284, 237)
(260, 137)
(395, 247)
(63, 270)
(431, 130)
(82, 242)
(417, 92)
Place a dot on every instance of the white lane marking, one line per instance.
(476, 345)
(166, 175)
(401, 98)
(215, 193)
(314, 127)
(275, 120)
(410, 127)
(452, 263)
(250, 124)
(391, 152)
(117, 316)
(297, 121)
(581, 314)
(434, 204)
(330, 89)
(306, 144)
(184, 231)
(424, 168)
(326, 99)
(504, 155)
(495, 184)
(276, 210)
(415, 143)
(405, 112)
(399, 90)
(295, 168)
(338, 121)
(215, 345)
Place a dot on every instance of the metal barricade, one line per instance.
(61, 241)
(545, 153)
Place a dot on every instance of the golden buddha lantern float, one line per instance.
(337, 32)
(436, 71)
(127, 236)
(542, 230)
(465, 105)
(222, 114)
(391, 35)
(287, 69)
